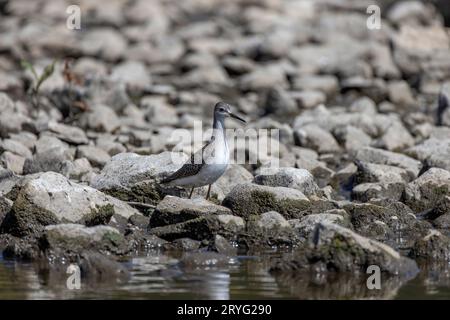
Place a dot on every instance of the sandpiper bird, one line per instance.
(210, 162)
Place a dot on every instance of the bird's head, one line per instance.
(223, 110)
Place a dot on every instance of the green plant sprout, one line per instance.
(38, 79)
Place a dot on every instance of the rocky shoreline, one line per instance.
(363, 115)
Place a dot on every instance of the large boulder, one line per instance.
(51, 198)
(334, 248)
(72, 239)
(387, 221)
(250, 199)
(129, 176)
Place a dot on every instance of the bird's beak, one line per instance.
(237, 117)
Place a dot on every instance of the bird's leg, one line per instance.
(207, 194)
(190, 194)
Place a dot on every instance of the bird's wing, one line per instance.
(191, 167)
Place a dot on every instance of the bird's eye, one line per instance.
(222, 109)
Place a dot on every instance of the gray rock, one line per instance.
(210, 77)
(326, 84)
(173, 210)
(80, 168)
(12, 162)
(395, 138)
(314, 137)
(204, 227)
(307, 224)
(427, 190)
(159, 111)
(25, 138)
(238, 65)
(379, 156)
(308, 99)
(11, 123)
(371, 172)
(5, 208)
(267, 123)
(132, 177)
(410, 12)
(198, 60)
(51, 198)
(100, 269)
(102, 118)
(279, 102)
(51, 155)
(383, 62)
(111, 147)
(299, 179)
(15, 147)
(6, 104)
(8, 181)
(433, 152)
(46, 143)
(234, 175)
(413, 45)
(98, 157)
(352, 138)
(378, 190)
(263, 78)
(268, 230)
(222, 246)
(433, 247)
(440, 213)
(68, 133)
(249, 199)
(364, 105)
(270, 220)
(388, 221)
(105, 43)
(442, 222)
(132, 73)
(336, 249)
(69, 239)
(322, 117)
(400, 94)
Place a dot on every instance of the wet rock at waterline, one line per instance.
(51, 198)
(333, 248)
(173, 210)
(204, 227)
(358, 122)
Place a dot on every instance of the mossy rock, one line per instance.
(249, 199)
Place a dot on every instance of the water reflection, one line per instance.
(190, 276)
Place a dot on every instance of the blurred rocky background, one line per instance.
(364, 122)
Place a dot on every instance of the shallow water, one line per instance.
(157, 276)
